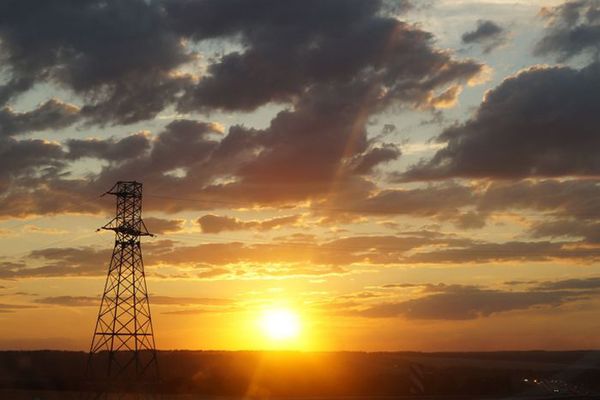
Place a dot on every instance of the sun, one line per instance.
(280, 324)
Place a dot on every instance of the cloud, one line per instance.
(197, 311)
(44, 194)
(33, 180)
(14, 87)
(366, 162)
(211, 273)
(216, 224)
(87, 301)
(563, 199)
(572, 284)
(9, 308)
(486, 252)
(444, 202)
(185, 301)
(465, 303)
(111, 149)
(573, 29)
(573, 228)
(161, 226)
(299, 157)
(289, 47)
(24, 158)
(518, 283)
(488, 34)
(128, 62)
(333, 65)
(524, 128)
(60, 262)
(52, 114)
(293, 257)
(427, 201)
(70, 301)
(120, 56)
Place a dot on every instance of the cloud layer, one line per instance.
(520, 130)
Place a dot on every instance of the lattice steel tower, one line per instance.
(123, 355)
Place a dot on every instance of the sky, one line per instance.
(388, 175)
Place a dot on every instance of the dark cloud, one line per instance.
(213, 272)
(301, 155)
(6, 267)
(14, 87)
(53, 114)
(183, 144)
(428, 201)
(31, 157)
(109, 149)
(488, 34)
(86, 259)
(486, 252)
(469, 220)
(446, 288)
(136, 99)
(216, 224)
(159, 226)
(70, 301)
(564, 199)
(334, 64)
(366, 162)
(118, 55)
(445, 202)
(304, 257)
(203, 310)
(8, 308)
(87, 301)
(518, 283)
(400, 286)
(429, 287)
(60, 262)
(464, 303)
(572, 284)
(288, 47)
(573, 29)
(286, 257)
(126, 60)
(36, 182)
(524, 127)
(184, 301)
(46, 195)
(588, 231)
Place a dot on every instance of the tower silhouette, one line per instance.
(122, 355)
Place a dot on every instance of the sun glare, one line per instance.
(280, 324)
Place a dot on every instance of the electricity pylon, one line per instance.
(123, 353)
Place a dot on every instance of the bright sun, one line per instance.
(280, 324)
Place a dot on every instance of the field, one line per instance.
(195, 374)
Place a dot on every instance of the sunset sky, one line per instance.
(382, 175)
